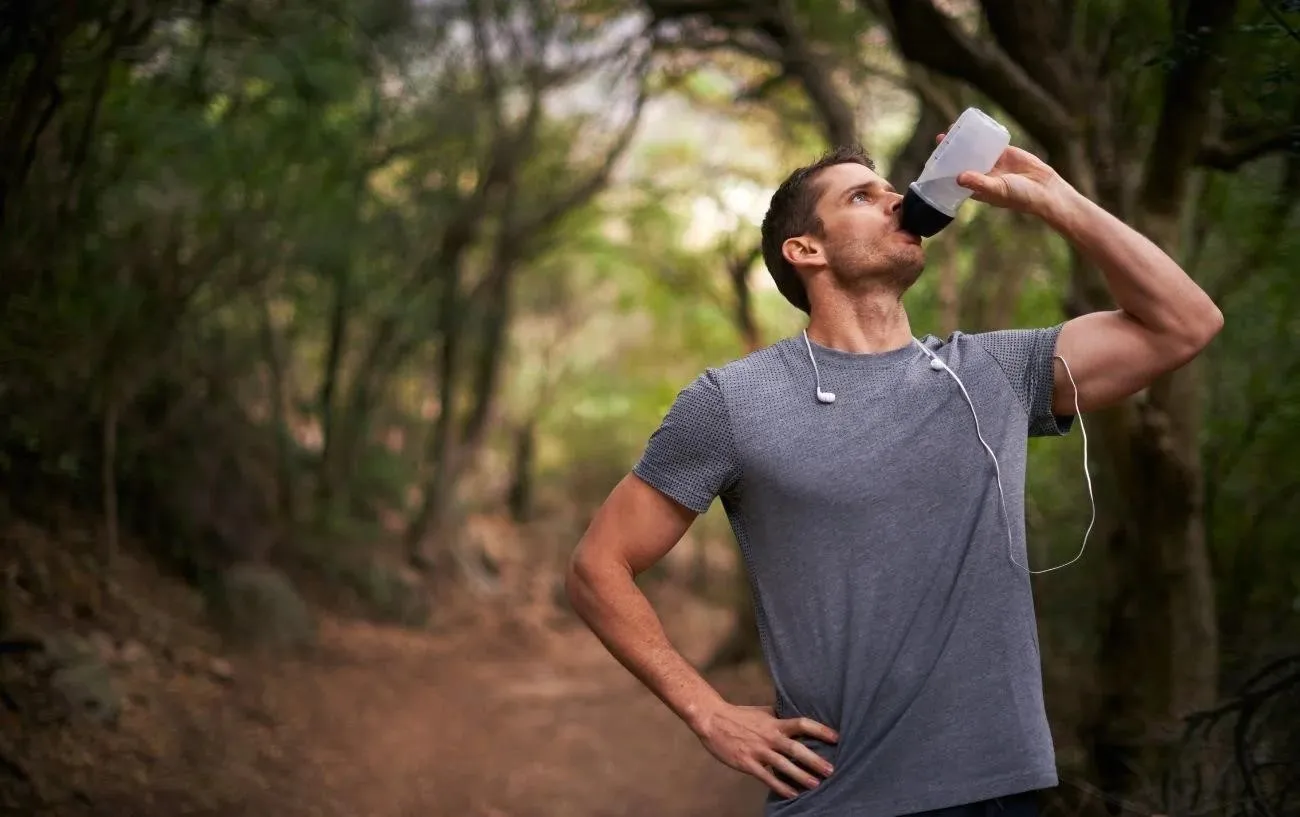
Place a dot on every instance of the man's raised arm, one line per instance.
(1163, 321)
(1163, 318)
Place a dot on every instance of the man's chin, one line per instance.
(907, 267)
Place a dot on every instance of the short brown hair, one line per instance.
(792, 212)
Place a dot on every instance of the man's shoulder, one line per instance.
(758, 375)
(994, 345)
(764, 365)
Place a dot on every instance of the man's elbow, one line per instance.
(577, 578)
(583, 578)
(1200, 329)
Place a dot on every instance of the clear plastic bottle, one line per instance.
(974, 142)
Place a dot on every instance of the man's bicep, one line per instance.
(636, 525)
(1110, 357)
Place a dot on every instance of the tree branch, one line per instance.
(1029, 33)
(1267, 232)
(1185, 112)
(768, 31)
(758, 91)
(702, 39)
(800, 60)
(928, 36)
(583, 191)
(1280, 20)
(1228, 156)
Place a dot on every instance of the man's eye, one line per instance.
(859, 196)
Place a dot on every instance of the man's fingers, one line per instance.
(809, 727)
(808, 758)
(763, 773)
(787, 767)
(977, 182)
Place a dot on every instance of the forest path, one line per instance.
(516, 722)
(504, 706)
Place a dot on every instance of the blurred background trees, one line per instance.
(307, 286)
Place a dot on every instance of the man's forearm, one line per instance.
(606, 597)
(1148, 285)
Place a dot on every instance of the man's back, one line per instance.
(872, 530)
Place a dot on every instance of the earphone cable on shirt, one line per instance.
(998, 470)
(939, 365)
(1092, 500)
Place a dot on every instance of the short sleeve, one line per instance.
(690, 457)
(1026, 357)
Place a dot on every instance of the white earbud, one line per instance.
(823, 397)
(935, 362)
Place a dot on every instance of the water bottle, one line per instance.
(974, 142)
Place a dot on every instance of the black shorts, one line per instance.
(1024, 804)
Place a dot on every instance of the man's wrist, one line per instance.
(698, 713)
(1063, 208)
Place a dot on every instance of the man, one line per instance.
(885, 551)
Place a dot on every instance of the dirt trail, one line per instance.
(500, 712)
(390, 724)
(513, 723)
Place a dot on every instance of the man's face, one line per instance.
(860, 243)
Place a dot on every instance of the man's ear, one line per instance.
(803, 251)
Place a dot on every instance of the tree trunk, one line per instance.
(738, 274)
(280, 401)
(950, 300)
(520, 497)
(440, 443)
(454, 446)
(326, 479)
(1160, 583)
(108, 478)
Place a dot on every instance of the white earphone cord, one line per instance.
(822, 396)
(1092, 502)
(937, 363)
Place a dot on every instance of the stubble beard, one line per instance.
(863, 267)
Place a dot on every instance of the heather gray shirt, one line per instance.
(888, 606)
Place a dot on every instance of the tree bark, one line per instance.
(519, 498)
(276, 361)
(108, 477)
(738, 274)
(326, 478)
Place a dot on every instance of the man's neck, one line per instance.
(864, 324)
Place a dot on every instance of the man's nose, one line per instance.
(893, 203)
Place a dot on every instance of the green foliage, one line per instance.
(1253, 405)
(248, 240)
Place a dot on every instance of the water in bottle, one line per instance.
(974, 142)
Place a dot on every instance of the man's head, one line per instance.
(838, 217)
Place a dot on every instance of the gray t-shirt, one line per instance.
(887, 603)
